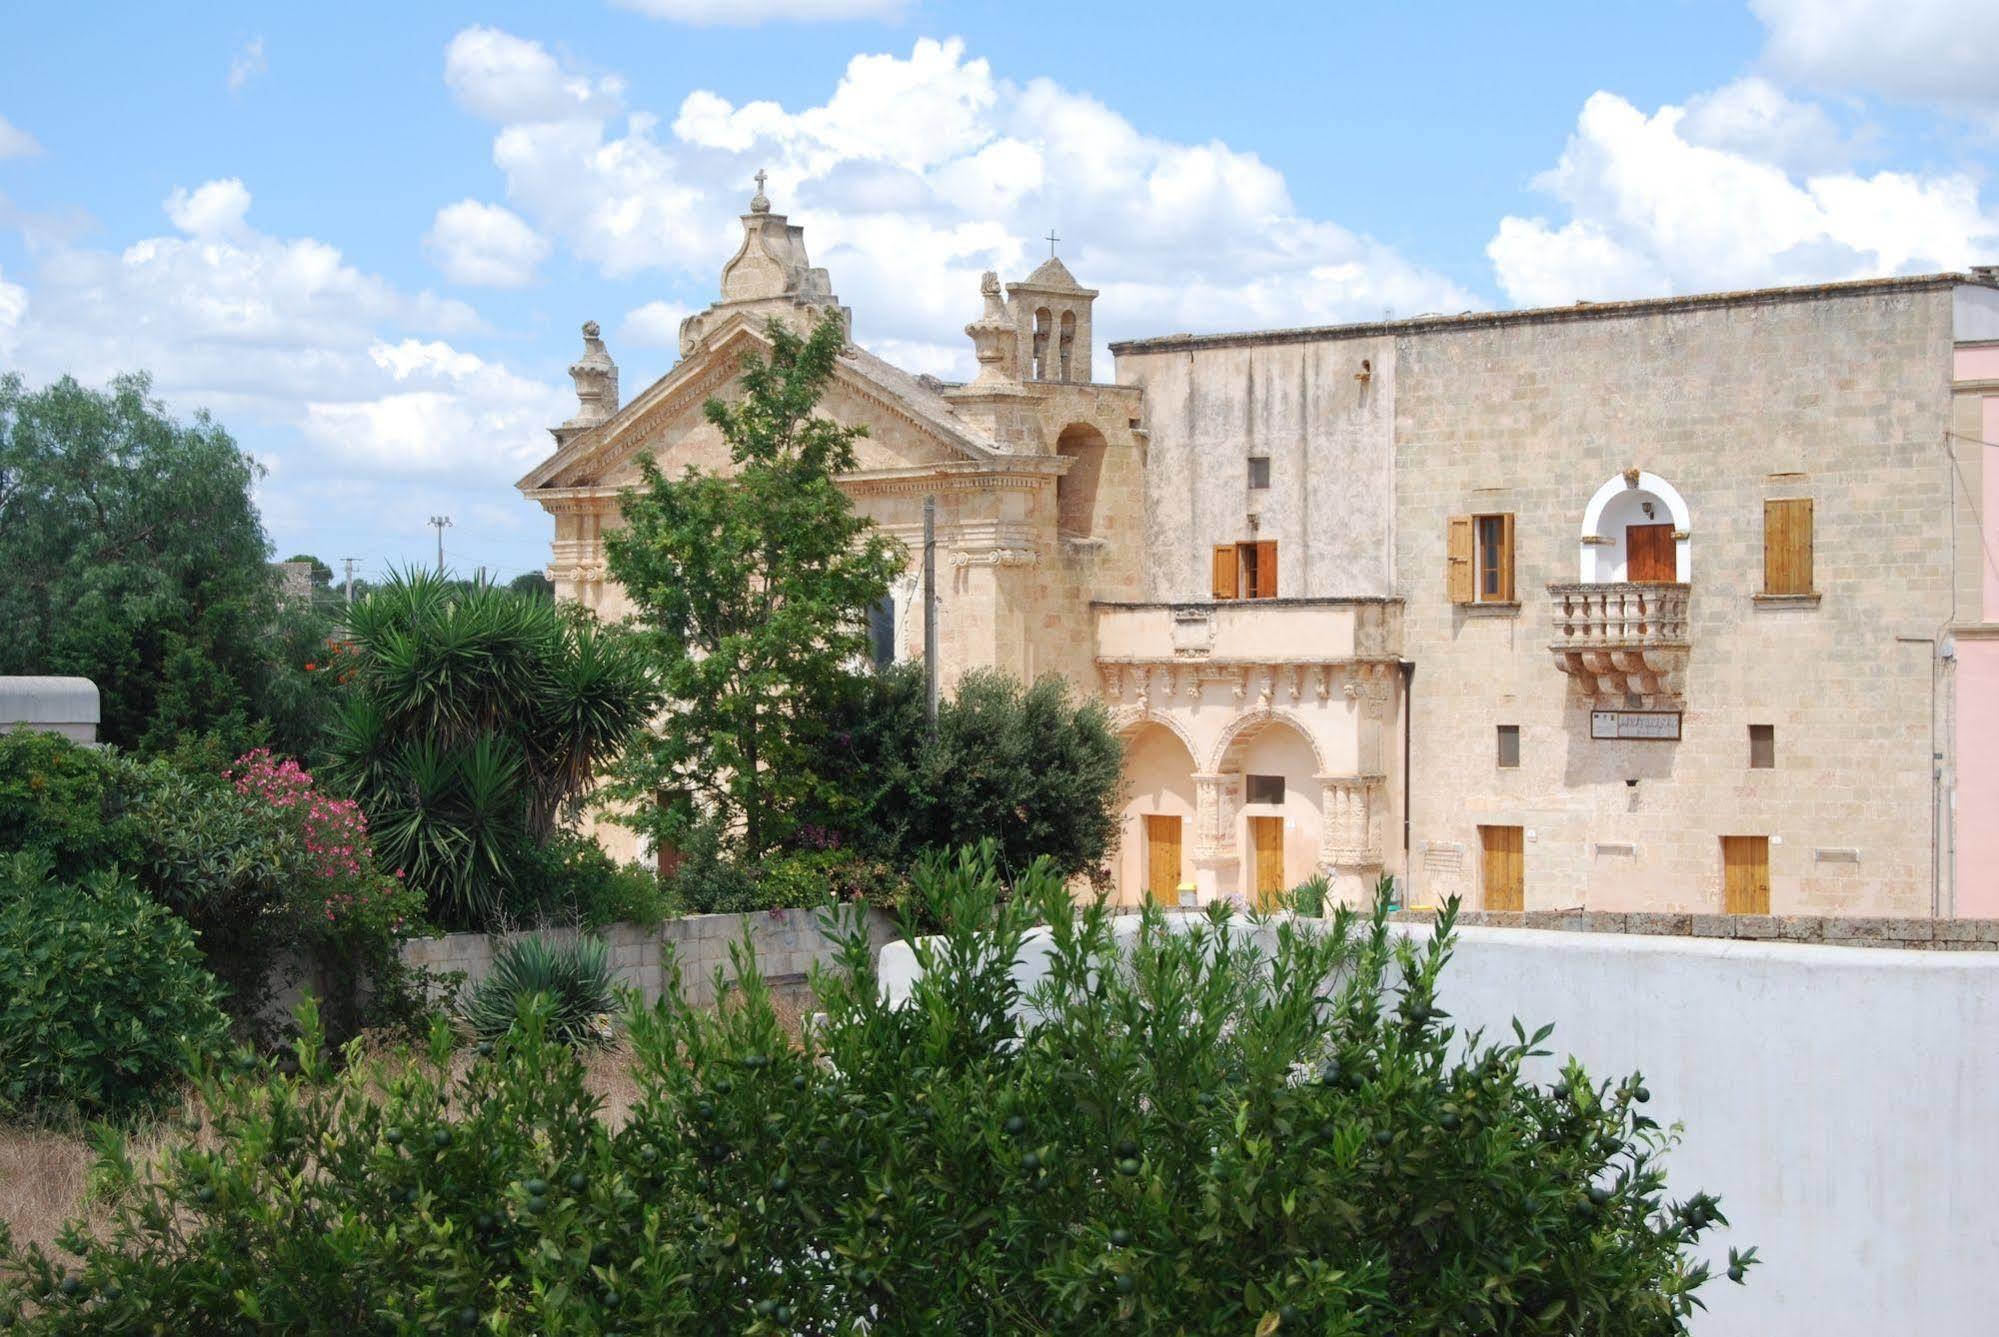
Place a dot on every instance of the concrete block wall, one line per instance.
(787, 944)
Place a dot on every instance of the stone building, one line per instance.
(1642, 605)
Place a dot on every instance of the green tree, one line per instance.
(532, 583)
(474, 721)
(135, 558)
(1029, 767)
(751, 593)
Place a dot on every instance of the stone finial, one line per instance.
(993, 334)
(1631, 476)
(759, 202)
(596, 378)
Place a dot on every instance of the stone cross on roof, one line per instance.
(759, 204)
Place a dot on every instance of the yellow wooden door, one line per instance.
(1505, 867)
(1162, 858)
(1266, 843)
(1745, 870)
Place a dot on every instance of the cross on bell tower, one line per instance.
(759, 202)
(1052, 239)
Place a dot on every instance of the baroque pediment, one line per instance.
(909, 424)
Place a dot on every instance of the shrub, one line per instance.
(68, 802)
(104, 988)
(574, 978)
(474, 719)
(1192, 1133)
(1027, 766)
(571, 879)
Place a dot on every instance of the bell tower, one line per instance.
(1051, 312)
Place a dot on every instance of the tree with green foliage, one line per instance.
(135, 558)
(1210, 1125)
(532, 583)
(474, 721)
(751, 592)
(1028, 767)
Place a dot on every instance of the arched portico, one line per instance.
(1161, 808)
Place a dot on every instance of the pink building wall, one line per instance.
(1977, 741)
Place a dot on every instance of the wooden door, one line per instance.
(1266, 843)
(1745, 875)
(1505, 868)
(1162, 858)
(1650, 557)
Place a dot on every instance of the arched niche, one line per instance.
(1632, 498)
(1076, 498)
(1160, 809)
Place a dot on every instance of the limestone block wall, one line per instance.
(1837, 396)
(788, 943)
(1320, 416)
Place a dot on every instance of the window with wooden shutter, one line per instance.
(1224, 572)
(1787, 545)
(1458, 567)
(1266, 570)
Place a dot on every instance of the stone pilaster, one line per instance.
(1352, 807)
(1216, 798)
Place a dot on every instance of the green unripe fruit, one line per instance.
(1127, 1166)
(754, 1061)
(780, 1184)
(394, 1137)
(648, 1153)
(441, 1138)
(1120, 1237)
(536, 1206)
(610, 1299)
(765, 1308)
(1015, 1125)
(1206, 1100)
(485, 1048)
(1125, 1285)
(1641, 1095)
(1127, 1148)
(723, 1086)
(578, 1182)
(535, 1188)
(1598, 1194)
(483, 1222)
(1735, 1272)
(204, 1194)
(1383, 1136)
(1030, 1162)
(468, 1317)
(70, 1286)
(798, 1082)
(783, 1315)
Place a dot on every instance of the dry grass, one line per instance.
(45, 1172)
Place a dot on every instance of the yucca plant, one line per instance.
(573, 977)
(476, 718)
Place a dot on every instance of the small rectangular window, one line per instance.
(1509, 747)
(1762, 747)
(1259, 471)
(1246, 570)
(1263, 789)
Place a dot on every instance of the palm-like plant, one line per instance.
(476, 720)
(574, 978)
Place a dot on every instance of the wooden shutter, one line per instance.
(1225, 577)
(1506, 594)
(1266, 569)
(1787, 546)
(1463, 587)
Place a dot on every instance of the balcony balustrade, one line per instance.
(1622, 640)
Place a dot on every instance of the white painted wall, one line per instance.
(1844, 1102)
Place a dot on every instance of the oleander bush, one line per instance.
(1214, 1127)
(572, 978)
(102, 995)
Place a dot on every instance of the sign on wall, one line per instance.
(1658, 726)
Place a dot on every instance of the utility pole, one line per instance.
(930, 611)
(440, 523)
(350, 563)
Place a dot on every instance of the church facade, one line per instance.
(1673, 605)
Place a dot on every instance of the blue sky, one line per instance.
(365, 239)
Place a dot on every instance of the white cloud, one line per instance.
(13, 314)
(921, 170)
(656, 324)
(247, 64)
(1752, 116)
(281, 333)
(215, 209)
(1651, 212)
(1936, 51)
(750, 13)
(16, 142)
(500, 77)
(484, 245)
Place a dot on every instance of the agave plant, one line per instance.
(476, 719)
(574, 978)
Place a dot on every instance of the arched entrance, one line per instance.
(1637, 529)
(1076, 490)
(1279, 822)
(1158, 821)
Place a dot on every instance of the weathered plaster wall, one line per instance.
(1326, 433)
(1843, 399)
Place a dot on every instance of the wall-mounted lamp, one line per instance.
(1648, 509)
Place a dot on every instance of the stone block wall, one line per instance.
(1924, 935)
(787, 943)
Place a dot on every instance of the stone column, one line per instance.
(1215, 853)
(1351, 809)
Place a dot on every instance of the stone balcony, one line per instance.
(1621, 640)
(1250, 631)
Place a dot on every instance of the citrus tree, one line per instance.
(1202, 1129)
